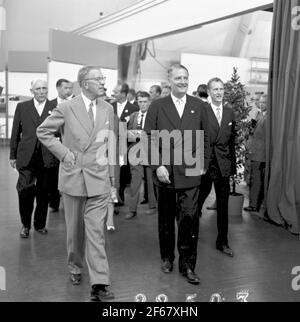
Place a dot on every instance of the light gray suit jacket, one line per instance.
(90, 176)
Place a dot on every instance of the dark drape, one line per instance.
(283, 137)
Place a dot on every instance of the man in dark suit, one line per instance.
(64, 90)
(222, 165)
(139, 171)
(183, 117)
(31, 158)
(123, 109)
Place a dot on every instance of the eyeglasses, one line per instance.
(97, 79)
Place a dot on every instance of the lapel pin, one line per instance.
(49, 112)
(126, 111)
(230, 124)
(192, 111)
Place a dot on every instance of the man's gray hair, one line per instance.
(33, 82)
(83, 72)
(176, 67)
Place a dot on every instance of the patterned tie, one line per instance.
(219, 115)
(91, 113)
(140, 125)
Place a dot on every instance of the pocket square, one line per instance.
(229, 123)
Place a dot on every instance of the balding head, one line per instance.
(39, 89)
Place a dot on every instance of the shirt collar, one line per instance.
(215, 106)
(175, 99)
(37, 104)
(87, 101)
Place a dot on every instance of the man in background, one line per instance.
(31, 159)
(222, 162)
(64, 92)
(123, 109)
(139, 171)
(155, 92)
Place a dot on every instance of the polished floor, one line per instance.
(36, 267)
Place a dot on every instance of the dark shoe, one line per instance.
(75, 279)
(24, 232)
(116, 210)
(251, 209)
(100, 293)
(167, 266)
(212, 207)
(225, 249)
(53, 209)
(143, 202)
(191, 277)
(42, 231)
(130, 215)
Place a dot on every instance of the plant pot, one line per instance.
(235, 205)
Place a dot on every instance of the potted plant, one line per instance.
(236, 96)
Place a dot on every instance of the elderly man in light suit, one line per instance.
(86, 124)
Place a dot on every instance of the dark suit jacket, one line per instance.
(127, 111)
(162, 115)
(23, 138)
(222, 140)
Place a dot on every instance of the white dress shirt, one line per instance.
(87, 103)
(215, 109)
(39, 106)
(120, 108)
(139, 118)
(179, 104)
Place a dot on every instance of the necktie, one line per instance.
(91, 113)
(140, 126)
(180, 107)
(219, 115)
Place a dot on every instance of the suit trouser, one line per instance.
(32, 184)
(257, 179)
(54, 195)
(85, 222)
(181, 204)
(222, 189)
(137, 175)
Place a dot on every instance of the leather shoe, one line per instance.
(130, 215)
(75, 279)
(24, 232)
(225, 249)
(100, 293)
(251, 209)
(191, 277)
(42, 231)
(167, 266)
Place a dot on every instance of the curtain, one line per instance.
(283, 126)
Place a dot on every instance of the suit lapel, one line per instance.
(188, 113)
(34, 113)
(224, 121)
(124, 111)
(99, 121)
(46, 111)
(81, 114)
(171, 112)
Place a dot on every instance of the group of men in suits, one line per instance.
(86, 183)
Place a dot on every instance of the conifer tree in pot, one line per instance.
(235, 96)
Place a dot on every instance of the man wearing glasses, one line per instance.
(86, 123)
